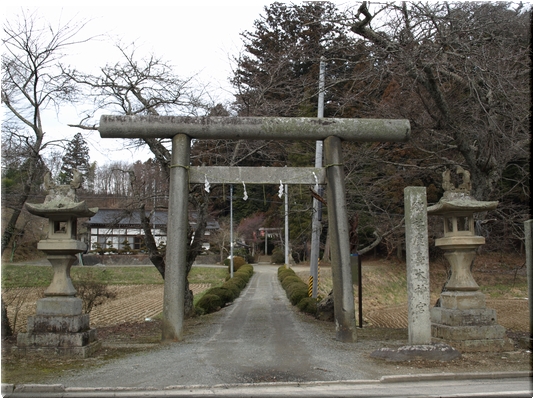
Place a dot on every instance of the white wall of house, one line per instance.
(117, 236)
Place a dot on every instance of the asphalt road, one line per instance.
(475, 388)
(258, 339)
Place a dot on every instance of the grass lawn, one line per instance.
(40, 276)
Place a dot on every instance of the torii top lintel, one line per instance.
(255, 128)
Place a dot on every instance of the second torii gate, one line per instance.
(183, 129)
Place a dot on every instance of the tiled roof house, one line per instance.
(110, 228)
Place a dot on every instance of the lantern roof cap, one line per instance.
(456, 198)
(63, 208)
(453, 202)
(62, 200)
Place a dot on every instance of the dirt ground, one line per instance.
(501, 277)
(132, 304)
(136, 303)
(129, 323)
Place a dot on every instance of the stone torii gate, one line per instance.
(183, 129)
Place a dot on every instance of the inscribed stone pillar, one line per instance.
(419, 317)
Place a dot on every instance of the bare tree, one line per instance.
(466, 70)
(461, 73)
(32, 82)
(148, 86)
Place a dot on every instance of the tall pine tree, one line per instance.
(76, 157)
(277, 73)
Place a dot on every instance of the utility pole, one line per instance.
(286, 229)
(316, 215)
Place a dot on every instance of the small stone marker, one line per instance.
(417, 265)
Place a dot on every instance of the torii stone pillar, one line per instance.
(177, 234)
(344, 300)
(183, 129)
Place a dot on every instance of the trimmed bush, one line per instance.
(308, 305)
(225, 294)
(210, 303)
(244, 271)
(242, 275)
(296, 290)
(247, 268)
(277, 257)
(285, 273)
(232, 287)
(238, 262)
(239, 281)
(289, 279)
(216, 298)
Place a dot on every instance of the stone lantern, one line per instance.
(463, 320)
(59, 327)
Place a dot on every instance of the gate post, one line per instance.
(177, 239)
(344, 300)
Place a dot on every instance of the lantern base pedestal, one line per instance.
(464, 322)
(58, 329)
(26, 346)
(471, 339)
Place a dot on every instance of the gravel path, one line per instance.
(259, 338)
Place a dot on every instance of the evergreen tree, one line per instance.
(277, 74)
(76, 157)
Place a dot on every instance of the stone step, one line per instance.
(264, 260)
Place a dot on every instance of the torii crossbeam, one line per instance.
(183, 129)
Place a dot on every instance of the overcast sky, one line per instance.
(197, 37)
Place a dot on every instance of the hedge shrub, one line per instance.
(308, 305)
(248, 268)
(225, 294)
(287, 273)
(209, 303)
(277, 257)
(216, 298)
(238, 263)
(296, 290)
(289, 279)
(235, 289)
(239, 281)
